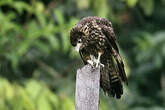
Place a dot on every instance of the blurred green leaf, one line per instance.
(5, 2)
(131, 3)
(6, 89)
(103, 105)
(147, 6)
(59, 17)
(67, 103)
(34, 96)
(54, 42)
(39, 7)
(21, 6)
(83, 4)
(42, 103)
(101, 8)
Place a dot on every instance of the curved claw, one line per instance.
(101, 64)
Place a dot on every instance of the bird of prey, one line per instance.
(94, 38)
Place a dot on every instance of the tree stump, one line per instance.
(87, 88)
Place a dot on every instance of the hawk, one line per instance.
(94, 39)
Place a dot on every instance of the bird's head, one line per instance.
(80, 35)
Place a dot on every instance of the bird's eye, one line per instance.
(79, 41)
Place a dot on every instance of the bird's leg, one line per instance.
(98, 60)
(92, 57)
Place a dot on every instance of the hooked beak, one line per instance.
(78, 46)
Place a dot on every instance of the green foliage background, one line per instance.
(38, 64)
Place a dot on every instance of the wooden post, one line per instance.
(87, 88)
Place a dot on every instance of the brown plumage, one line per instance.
(95, 40)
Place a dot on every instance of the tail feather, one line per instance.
(111, 85)
(110, 80)
(116, 86)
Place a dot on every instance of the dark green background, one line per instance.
(38, 64)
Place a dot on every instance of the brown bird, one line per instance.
(94, 39)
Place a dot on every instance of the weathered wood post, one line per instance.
(87, 88)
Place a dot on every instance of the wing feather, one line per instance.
(108, 32)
